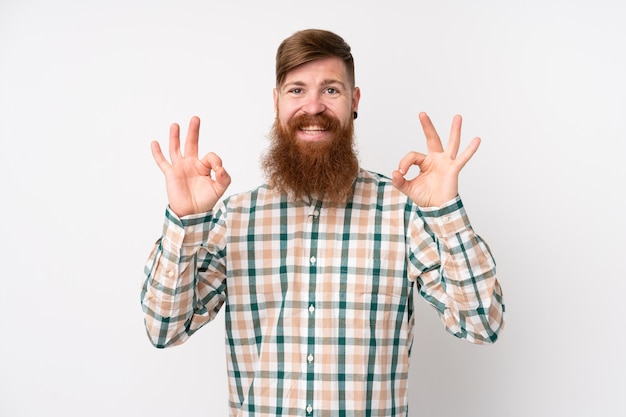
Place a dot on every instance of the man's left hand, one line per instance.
(438, 179)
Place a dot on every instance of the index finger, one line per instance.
(433, 142)
(409, 160)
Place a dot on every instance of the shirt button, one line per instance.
(311, 308)
(309, 409)
(310, 358)
(313, 259)
(170, 273)
(316, 213)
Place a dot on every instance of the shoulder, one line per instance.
(263, 194)
(373, 185)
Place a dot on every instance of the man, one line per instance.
(318, 268)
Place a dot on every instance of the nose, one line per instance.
(314, 104)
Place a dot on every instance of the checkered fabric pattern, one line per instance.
(319, 298)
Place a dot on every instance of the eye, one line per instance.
(331, 90)
(295, 91)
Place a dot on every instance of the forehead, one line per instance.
(319, 71)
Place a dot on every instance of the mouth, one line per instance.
(312, 129)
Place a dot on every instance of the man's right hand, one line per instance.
(190, 186)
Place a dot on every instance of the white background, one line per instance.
(85, 86)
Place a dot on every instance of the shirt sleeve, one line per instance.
(185, 277)
(456, 272)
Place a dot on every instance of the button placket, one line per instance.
(310, 348)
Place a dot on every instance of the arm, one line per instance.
(456, 273)
(185, 283)
(454, 267)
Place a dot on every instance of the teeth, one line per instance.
(313, 128)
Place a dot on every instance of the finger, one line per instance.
(469, 151)
(398, 181)
(409, 160)
(175, 142)
(212, 161)
(193, 133)
(452, 147)
(222, 178)
(433, 142)
(157, 154)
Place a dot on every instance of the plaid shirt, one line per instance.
(318, 298)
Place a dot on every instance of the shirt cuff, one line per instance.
(187, 230)
(448, 219)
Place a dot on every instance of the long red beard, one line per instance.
(325, 170)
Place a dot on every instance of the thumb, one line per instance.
(398, 181)
(222, 178)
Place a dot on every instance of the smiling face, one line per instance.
(312, 153)
(317, 88)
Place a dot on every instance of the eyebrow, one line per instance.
(324, 83)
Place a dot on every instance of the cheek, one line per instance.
(285, 113)
(344, 118)
(284, 117)
(342, 111)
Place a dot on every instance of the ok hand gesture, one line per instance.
(190, 187)
(438, 179)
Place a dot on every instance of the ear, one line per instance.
(356, 96)
(275, 94)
